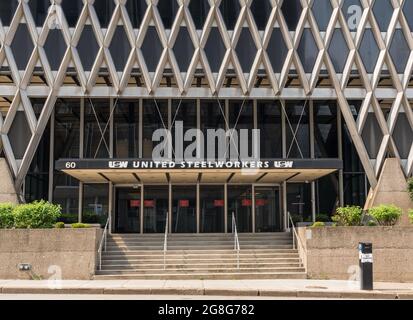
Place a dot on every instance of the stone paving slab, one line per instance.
(249, 288)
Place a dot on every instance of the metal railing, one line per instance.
(236, 239)
(165, 241)
(103, 243)
(297, 243)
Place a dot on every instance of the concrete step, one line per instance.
(195, 247)
(201, 253)
(180, 260)
(199, 266)
(203, 276)
(171, 270)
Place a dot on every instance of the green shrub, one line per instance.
(318, 224)
(372, 223)
(410, 188)
(386, 215)
(411, 215)
(6, 216)
(348, 216)
(80, 225)
(59, 225)
(36, 215)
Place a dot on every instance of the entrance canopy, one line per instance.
(131, 171)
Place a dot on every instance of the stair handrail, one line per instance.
(297, 243)
(236, 239)
(103, 243)
(165, 241)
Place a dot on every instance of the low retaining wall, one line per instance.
(52, 253)
(332, 252)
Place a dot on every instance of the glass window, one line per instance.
(215, 49)
(66, 145)
(322, 13)
(355, 189)
(95, 203)
(291, 10)
(120, 48)
(19, 135)
(325, 130)
(352, 11)
(212, 208)
(240, 204)
(184, 209)
(408, 13)
(7, 10)
(369, 51)
(241, 116)
(39, 10)
(152, 49)
(327, 195)
(299, 201)
(213, 118)
(167, 10)
(183, 49)
(199, 11)
(126, 127)
(261, 10)
(246, 50)
(267, 210)
(22, 46)
(338, 51)
(399, 51)
(230, 10)
(55, 48)
(298, 129)
(72, 10)
(104, 10)
(97, 132)
(277, 50)
(87, 48)
(403, 135)
(184, 111)
(155, 116)
(269, 123)
(308, 50)
(383, 11)
(136, 10)
(372, 135)
(156, 204)
(128, 209)
(36, 185)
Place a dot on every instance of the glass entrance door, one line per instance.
(128, 207)
(267, 209)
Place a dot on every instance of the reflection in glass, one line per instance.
(95, 203)
(325, 129)
(299, 201)
(212, 208)
(240, 204)
(269, 123)
(184, 209)
(156, 203)
(126, 129)
(267, 210)
(155, 116)
(128, 205)
(298, 129)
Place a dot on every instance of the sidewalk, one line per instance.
(248, 288)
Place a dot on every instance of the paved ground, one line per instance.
(210, 288)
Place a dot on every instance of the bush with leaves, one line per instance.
(6, 216)
(386, 215)
(348, 216)
(59, 225)
(411, 216)
(36, 215)
(80, 225)
(410, 188)
(321, 217)
(318, 224)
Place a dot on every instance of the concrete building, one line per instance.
(84, 84)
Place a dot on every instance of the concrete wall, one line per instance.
(7, 191)
(72, 250)
(332, 251)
